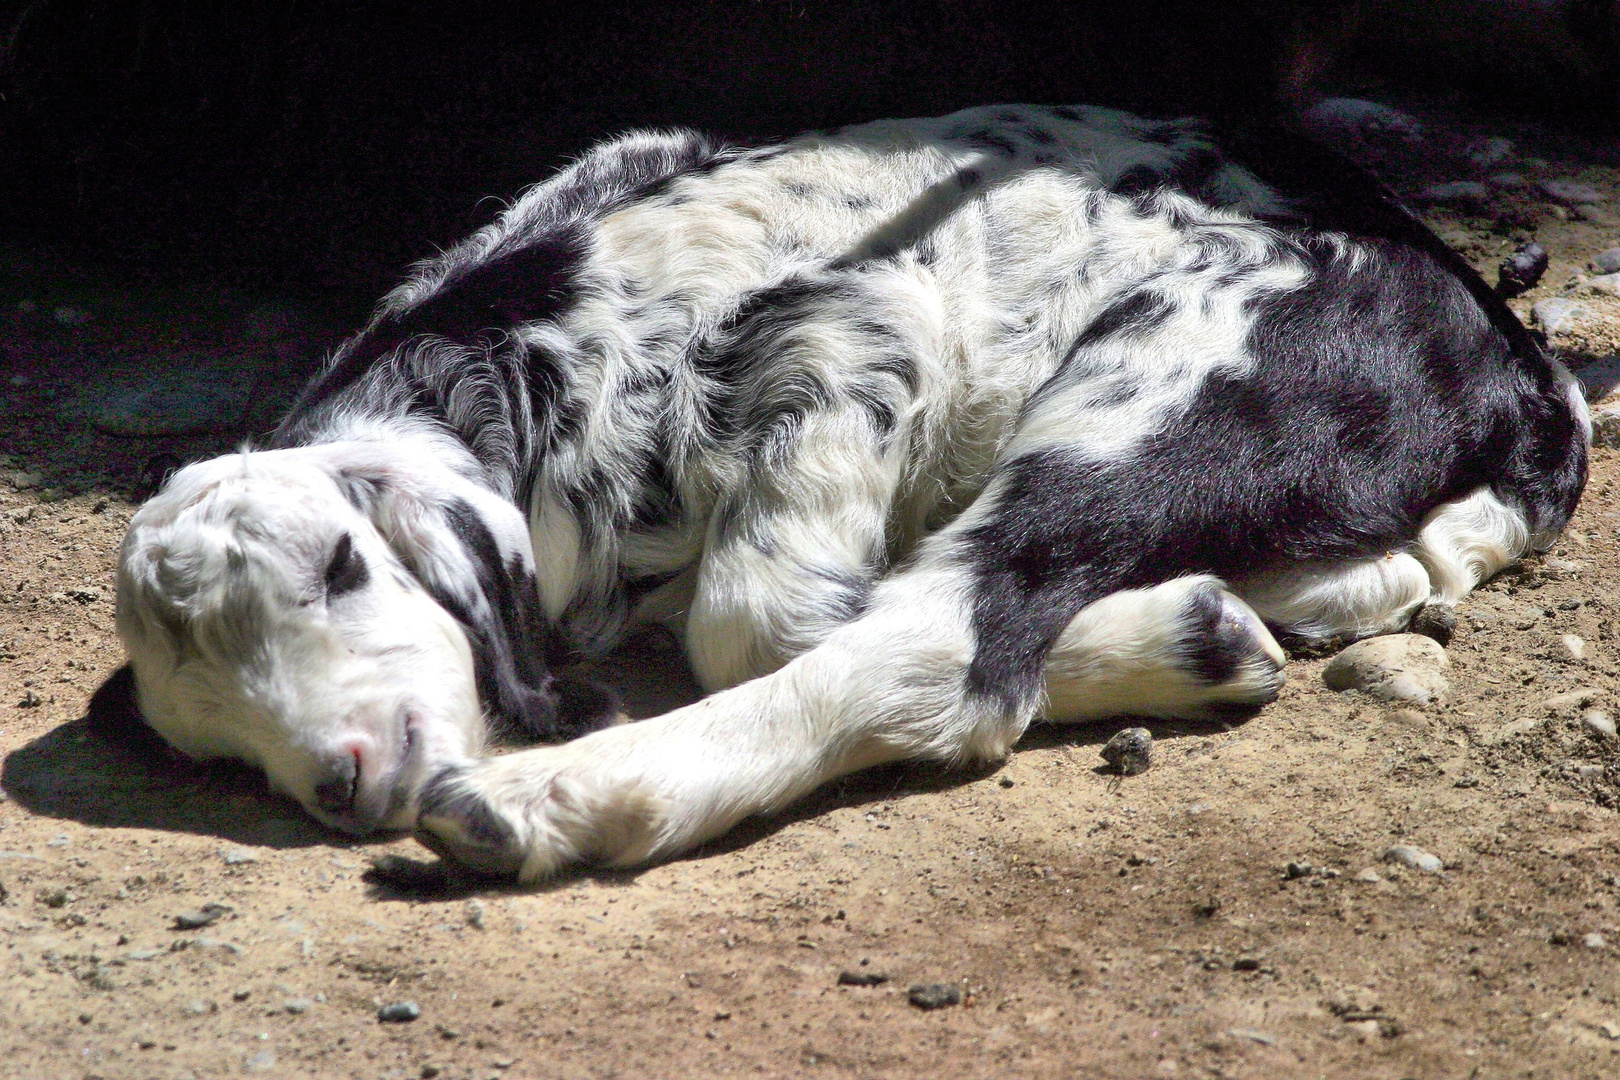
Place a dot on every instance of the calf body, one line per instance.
(915, 432)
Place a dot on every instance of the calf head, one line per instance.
(345, 616)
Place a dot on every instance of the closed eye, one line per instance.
(347, 571)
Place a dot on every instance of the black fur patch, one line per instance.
(1277, 465)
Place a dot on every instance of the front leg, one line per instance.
(890, 685)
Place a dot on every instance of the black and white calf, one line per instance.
(916, 432)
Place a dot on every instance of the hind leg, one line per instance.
(1460, 544)
(1187, 648)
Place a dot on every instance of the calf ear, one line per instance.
(470, 549)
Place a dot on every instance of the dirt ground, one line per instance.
(1094, 926)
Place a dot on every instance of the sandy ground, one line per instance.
(1094, 926)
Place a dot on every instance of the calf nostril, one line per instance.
(337, 791)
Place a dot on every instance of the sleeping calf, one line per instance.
(916, 432)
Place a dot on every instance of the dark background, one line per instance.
(319, 147)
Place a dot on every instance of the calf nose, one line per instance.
(336, 790)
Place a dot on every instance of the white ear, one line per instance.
(470, 549)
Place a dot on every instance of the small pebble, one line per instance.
(1414, 857)
(1436, 621)
(241, 994)
(71, 316)
(207, 915)
(1599, 723)
(429, 1071)
(1508, 181)
(198, 1007)
(1607, 262)
(238, 856)
(1246, 963)
(1130, 751)
(85, 1018)
(1369, 875)
(1574, 646)
(1521, 270)
(1297, 870)
(297, 1006)
(400, 1012)
(1005, 781)
(857, 977)
(475, 914)
(930, 996)
(1595, 941)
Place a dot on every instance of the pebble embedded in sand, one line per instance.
(1398, 667)
(929, 996)
(1414, 857)
(400, 1012)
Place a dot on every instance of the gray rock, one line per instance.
(1398, 667)
(199, 1007)
(1558, 314)
(239, 856)
(1464, 193)
(862, 977)
(1508, 181)
(1571, 192)
(475, 914)
(1599, 723)
(298, 1006)
(1607, 262)
(1489, 152)
(1369, 875)
(1297, 870)
(178, 394)
(400, 1012)
(1356, 119)
(1605, 284)
(1414, 857)
(1130, 751)
(929, 996)
(263, 1061)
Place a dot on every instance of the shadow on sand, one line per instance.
(108, 769)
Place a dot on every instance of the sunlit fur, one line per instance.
(915, 432)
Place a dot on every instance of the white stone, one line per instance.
(1414, 857)
(1398, 667)
(1594, 941)
(1574, 646)
(1599, 721)
(1369, 875)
